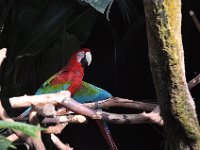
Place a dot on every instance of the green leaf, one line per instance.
(99, 5)
(27, 129)
(5, 144)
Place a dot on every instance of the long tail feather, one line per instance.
(24, 114)
(103, 126)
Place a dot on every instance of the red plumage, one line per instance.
(73, 72)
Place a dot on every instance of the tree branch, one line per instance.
(57, 129)
(194, 82)
(122, 102)
(37, 142)
(70, 104)
(153, 117)
(60, 145)
(195, 20)
(65, 119)
(13, 137)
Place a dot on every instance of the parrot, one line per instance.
(70, 79)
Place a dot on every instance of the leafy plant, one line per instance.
(5, 144)
(27, 129)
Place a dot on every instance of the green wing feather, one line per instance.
(47, 82)
(86, 93)
(90, 93)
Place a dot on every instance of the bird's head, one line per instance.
(84, 56)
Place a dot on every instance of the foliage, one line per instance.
(27, 129)
(5, 144)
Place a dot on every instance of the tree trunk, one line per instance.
(163, 22)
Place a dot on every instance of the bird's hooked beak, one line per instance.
(88, 57)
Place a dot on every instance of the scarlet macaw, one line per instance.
(70, 79)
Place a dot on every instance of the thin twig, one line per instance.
(195, 81)
(195, 20)
(2, 54)
(57, 129)
(37, 142)
(64, 119)
(13, 137)
(60, 145)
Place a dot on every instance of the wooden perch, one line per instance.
(57, 129)
(65, 119)
(153, 117)
(70, 104)
(26, 101)
(45, 110)
(37, 142)
(112, 117)
(122, 102)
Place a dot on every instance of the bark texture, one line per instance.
(163, 22)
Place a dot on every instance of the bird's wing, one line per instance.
(49, 88)
(90, 93)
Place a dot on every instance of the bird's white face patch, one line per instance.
(80, 55)
(88, 57)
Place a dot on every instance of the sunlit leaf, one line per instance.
(99, 5)
(5, 144)
(27, 129)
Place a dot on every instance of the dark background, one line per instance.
(120, 63)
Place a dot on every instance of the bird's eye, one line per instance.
(80, 54)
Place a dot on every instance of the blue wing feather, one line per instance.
(86, 93)
(90, 93)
